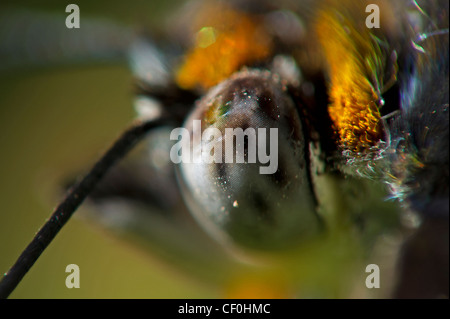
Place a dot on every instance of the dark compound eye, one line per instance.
(246, 177)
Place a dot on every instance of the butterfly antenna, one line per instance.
(75, 196)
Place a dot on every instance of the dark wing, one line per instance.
(420, 157)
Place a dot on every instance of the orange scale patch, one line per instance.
(238, 40)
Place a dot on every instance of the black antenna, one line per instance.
(76, 195)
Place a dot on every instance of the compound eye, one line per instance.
(242, 166)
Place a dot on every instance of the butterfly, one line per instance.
(355, 123)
